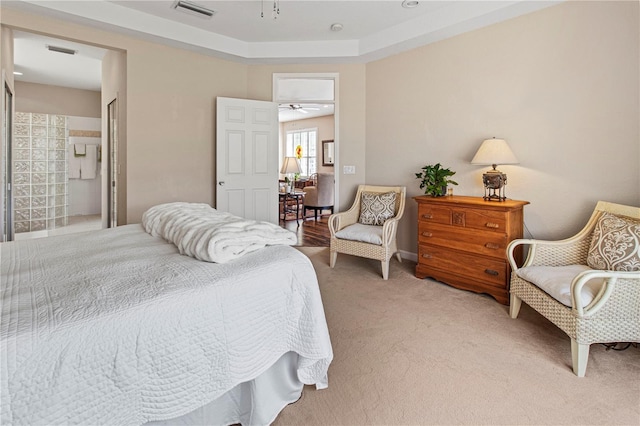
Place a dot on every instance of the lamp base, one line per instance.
(494, 183)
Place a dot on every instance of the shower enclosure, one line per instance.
(40, 181)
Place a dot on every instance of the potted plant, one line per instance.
(434, 179)
(288, 184)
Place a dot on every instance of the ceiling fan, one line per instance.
(298, 107)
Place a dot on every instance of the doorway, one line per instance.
(312, 90)
(46, 90)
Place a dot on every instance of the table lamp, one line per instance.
(493, 152)
(291, 165)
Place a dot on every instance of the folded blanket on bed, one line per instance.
(202, 232)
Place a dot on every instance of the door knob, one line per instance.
(221, 183)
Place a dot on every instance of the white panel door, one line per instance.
(247, 158)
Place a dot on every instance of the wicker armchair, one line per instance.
(613, 314)
(385, 234)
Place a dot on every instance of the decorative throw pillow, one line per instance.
(615, 245)
(376, 208)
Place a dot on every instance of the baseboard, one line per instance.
(408, 255)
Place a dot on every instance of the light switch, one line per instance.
(349, 170)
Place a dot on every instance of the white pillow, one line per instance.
(358, 232)
(556, 281)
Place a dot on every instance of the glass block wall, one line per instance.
(40, 183)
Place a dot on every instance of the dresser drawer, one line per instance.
(479, 268)
(486, 220)
(434, 214)
(492, 244)
(463, 217)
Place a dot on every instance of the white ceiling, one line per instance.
(39, 65)
(300, 34)
(293, 112)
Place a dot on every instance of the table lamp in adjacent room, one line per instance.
(290, 166)
(493, 152)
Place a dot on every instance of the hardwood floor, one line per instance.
(310, 233)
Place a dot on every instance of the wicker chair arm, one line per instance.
(389, 229)
(334, 223)
(572, 251)
(337, 221)
(603, 296)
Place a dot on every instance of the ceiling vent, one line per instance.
(61, 49)
(193, 9)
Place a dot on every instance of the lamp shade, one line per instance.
(494, 151)
(290, 165)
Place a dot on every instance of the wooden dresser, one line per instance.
(462, 241)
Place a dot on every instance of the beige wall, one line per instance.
(170, 112)
(45, 99)
(114, 89)
(560, 85)
(326, 130)
(6, 53)
(171, 96)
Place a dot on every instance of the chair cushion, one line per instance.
(358, 232)
(376, 208)
(615, 244)
(556, 282)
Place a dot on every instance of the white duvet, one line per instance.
(116, 327)
(202, 232)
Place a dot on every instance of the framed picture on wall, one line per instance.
(328, 153)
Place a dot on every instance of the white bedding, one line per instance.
(204, 233)
(116, 327)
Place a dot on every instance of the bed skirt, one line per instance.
(257, 402)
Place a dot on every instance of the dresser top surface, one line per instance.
(463, 200)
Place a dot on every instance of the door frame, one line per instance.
(6, 165)
(111, 154)
(336, 113)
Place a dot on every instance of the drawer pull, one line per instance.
(427, 216)
(492, 246)
(426, 256)
(490, 272)
(492, 225)
(427, 234)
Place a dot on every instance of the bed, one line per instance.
(120, 326)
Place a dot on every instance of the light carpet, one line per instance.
(418, 352)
